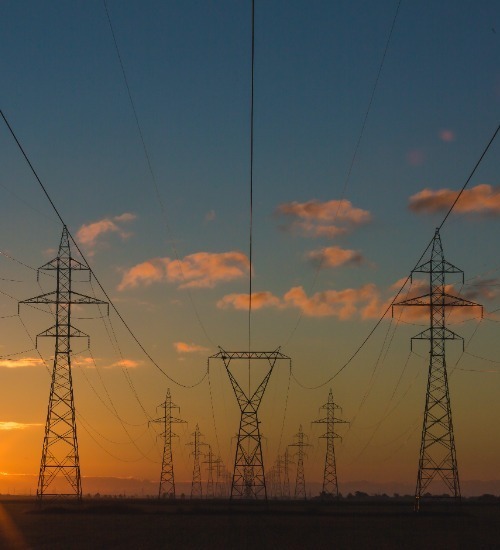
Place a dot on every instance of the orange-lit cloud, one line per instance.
(200, 270)
(183, 347)
(322, 219)
(20, 363)
(447, 135)
(90, 363)
(210, 216)
(482, 199)
(343, 304)
(127, 363)
(16, 425)
(241, 301)
(88, 234)
(335, 256)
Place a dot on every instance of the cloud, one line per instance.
(210, 216)
(183, 347)
(21, 363)
(241, 301)
(200, 270)
(127, 363)
(482, 199)
(16, 425)
(415, 157)
(322, 219)
(447, 135)
(343, 304)
(334, 256)
(90, 363)
(88, 234)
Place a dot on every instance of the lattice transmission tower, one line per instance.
(330, 482)
(60, 463)
(249, 480)
(196, 489)
(438, 459)
(211, 468)
(167, 481)
(286, 474)
(300, 481)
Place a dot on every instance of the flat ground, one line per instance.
(117, 523)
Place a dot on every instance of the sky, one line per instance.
(336, 226)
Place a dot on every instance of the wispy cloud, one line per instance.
(184, 347)
(210, 216)
(17, 425)
(21, 363)
(447, 135)
(343, 304)
(241, 301)
(89, 234)
(482, 199)
(199, 270)
(322, 219)
(335, 256)
(90, 363)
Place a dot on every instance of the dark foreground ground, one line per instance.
(205, 525)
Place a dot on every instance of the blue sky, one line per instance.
(188, 66)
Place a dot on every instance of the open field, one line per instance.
(184, 524)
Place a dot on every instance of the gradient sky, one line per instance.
(188, 66)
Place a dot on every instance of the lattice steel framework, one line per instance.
(437, 449)
(196, 489)
(330, 482)
(167, 481)
(249, 480)
(60, 464)
(211, 467)
(300, 481)
(286, 474)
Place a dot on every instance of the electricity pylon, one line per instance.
(300, 482)
(210, 469)
(437, 449)
(196, 490)
(60, 463)
(330, 483)
(249, 480)
(286, 475)
(167, 482)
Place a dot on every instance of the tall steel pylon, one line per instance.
(300, 482)
(330, 482)
(196, 489)
(249, 480)
(167, 481)
(60, 463)
(211, 467)
(438, 459)
(286, 474)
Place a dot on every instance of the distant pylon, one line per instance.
(286, 474)
(196, 489)
(60, 463)
(300, 482)
(330, 483)
(167, 482)
(211, 467)
(437, 449)
(248, 478)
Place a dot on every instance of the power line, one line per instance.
(363, 343)
(354, 156)
(111, 303)
(153, 176)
